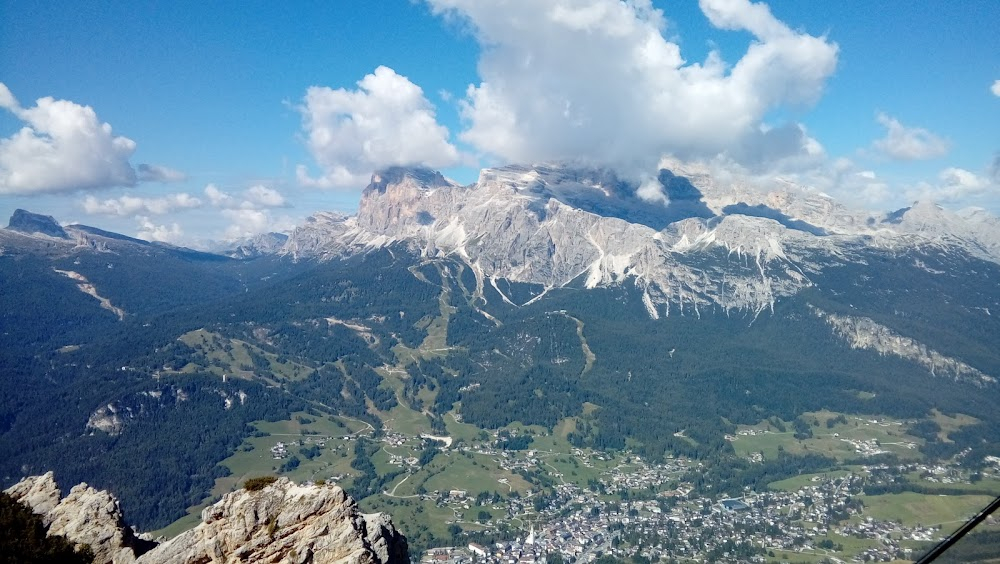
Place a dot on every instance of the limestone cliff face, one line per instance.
(553, 226)
(286, 523)
(717, 243)
(85, 516)
(281, 523)
(864, 333)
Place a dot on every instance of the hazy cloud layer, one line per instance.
(246, 212)
(62, 146)
(386, 121)
(953, 185)
(596, 80)
(128, 205)
(150, 231)
(249, 213)
(246, 222)
(909, 143)
(157, 173)
(265, 197)
(255, 197)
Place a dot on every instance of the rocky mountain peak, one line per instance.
(40, 493)
(32, 223)
(255, 246)
(286, 522)
(555, 224)
(85, 516)
(421, 177)
(282, 522)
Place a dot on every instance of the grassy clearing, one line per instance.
(951, 424)
(303, 423)
(232, 357)
(920, 509)
(412, 516)
(555, 443)
(406, 421)
(471, 472)
(436, 341)
(851, 546)
(427, 396)
(435, 344)
(571, 470)
(989, 485)
(798, 482)
(852, 440)
(564, 427)
(791, 557)
(460, 431)
(254, 457)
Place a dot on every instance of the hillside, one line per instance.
(542, 305)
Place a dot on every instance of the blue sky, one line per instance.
(878, 103)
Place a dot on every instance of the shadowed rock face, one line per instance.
(767, 212)
(395, 175)
(27, 222)
(282, 522)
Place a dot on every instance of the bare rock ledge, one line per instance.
(280, 523)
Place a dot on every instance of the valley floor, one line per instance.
(461, 496)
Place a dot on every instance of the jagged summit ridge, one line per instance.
(555, 225)
(282, 523)
(285, 522)
(85, 516)
(711, 243)
(35, 233)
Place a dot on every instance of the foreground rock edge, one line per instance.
(282, 522)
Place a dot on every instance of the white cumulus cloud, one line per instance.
(219, 198)
(253, 198)
(596, 80)
(150, 231)
(955, 185)
(248, 222)
(386, 121)
(245, 222)
(909, 143)
(264, 196)
(995, 89)
(62, 146)
(128, 205)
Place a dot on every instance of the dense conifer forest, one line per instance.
(671, 386)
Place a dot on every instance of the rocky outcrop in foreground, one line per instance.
(280, 523)
(85, 516)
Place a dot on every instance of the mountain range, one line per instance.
(536, 295)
